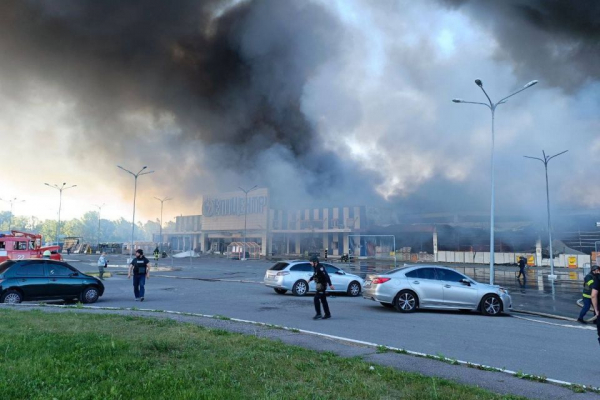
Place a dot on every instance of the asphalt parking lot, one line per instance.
(229, 288)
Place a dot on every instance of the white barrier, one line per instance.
(470, 257)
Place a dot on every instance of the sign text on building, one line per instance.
(215, 207)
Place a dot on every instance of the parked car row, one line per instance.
(43, 279)
(406, 289)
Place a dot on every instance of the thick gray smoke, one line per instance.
(557, 40)
(323, 102)
(207, 93)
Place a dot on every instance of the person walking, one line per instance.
(522, 263)
(588, 282)
(102, 264)
(156, 255)
(321, 278)
(140, 269)
(595, 294)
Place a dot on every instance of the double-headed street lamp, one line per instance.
(161, 215)
(11, 201)
(492, 106)
(60, 189)
(99, 211)
(245, 215)
(135, 176)
(545, 161)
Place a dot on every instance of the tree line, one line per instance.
(117, 231)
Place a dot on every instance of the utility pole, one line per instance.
(12, 202)
(545, 161)
(492, 106)
(99, 211)
(135, 176)
(60, 189)
(161, 219)
(245, 215)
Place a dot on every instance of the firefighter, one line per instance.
(588, 282)
(321, 278)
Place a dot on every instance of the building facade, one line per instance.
(229, 217)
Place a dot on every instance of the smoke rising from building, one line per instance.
(322, 102)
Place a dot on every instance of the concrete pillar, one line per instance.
(435, 245)
(538, 252)
(297, 241)
(346, 244)
(287, 244)
(203, 242)
(264, 248)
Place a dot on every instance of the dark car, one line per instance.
(42, 279)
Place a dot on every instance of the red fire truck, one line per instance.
(20, 245)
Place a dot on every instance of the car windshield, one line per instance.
(5, 265)
(279, 266)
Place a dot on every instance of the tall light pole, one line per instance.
(545, 161)
(99, 211)
(245, 215)
(60, 189)
(161, 214)
(12, 202)
(135, 178)
(492, 106)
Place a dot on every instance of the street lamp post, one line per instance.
(99, 211)
(135, 178)
(545, 161)
(245, 215)
(161, 219)
(12, 202)
(60, 189)
(492, 106)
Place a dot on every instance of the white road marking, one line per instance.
(555, 324)
(325, 335)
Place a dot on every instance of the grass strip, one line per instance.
(98, 356)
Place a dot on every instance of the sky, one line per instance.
(324, 102)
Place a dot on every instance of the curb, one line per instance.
(540, 314)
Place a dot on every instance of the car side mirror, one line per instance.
(465, 282)
(340, 272)
(74, 274)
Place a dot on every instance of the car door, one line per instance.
(339, 280)
(303, 271)
(32, 280)
(63, 281)
(456, 293)
(423, 281)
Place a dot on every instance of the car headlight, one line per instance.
(502, 290)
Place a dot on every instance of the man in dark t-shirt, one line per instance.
(595, 302)
(140, 268)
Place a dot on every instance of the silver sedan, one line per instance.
(294, 276)
(435, 287)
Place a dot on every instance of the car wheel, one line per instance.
(280, 291)
(90, 295)
(387, 305)
(406, 301)
(353, 289)
(12, 297)
(300, 288)
(491, 305)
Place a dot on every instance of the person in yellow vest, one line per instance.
(588, 282)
